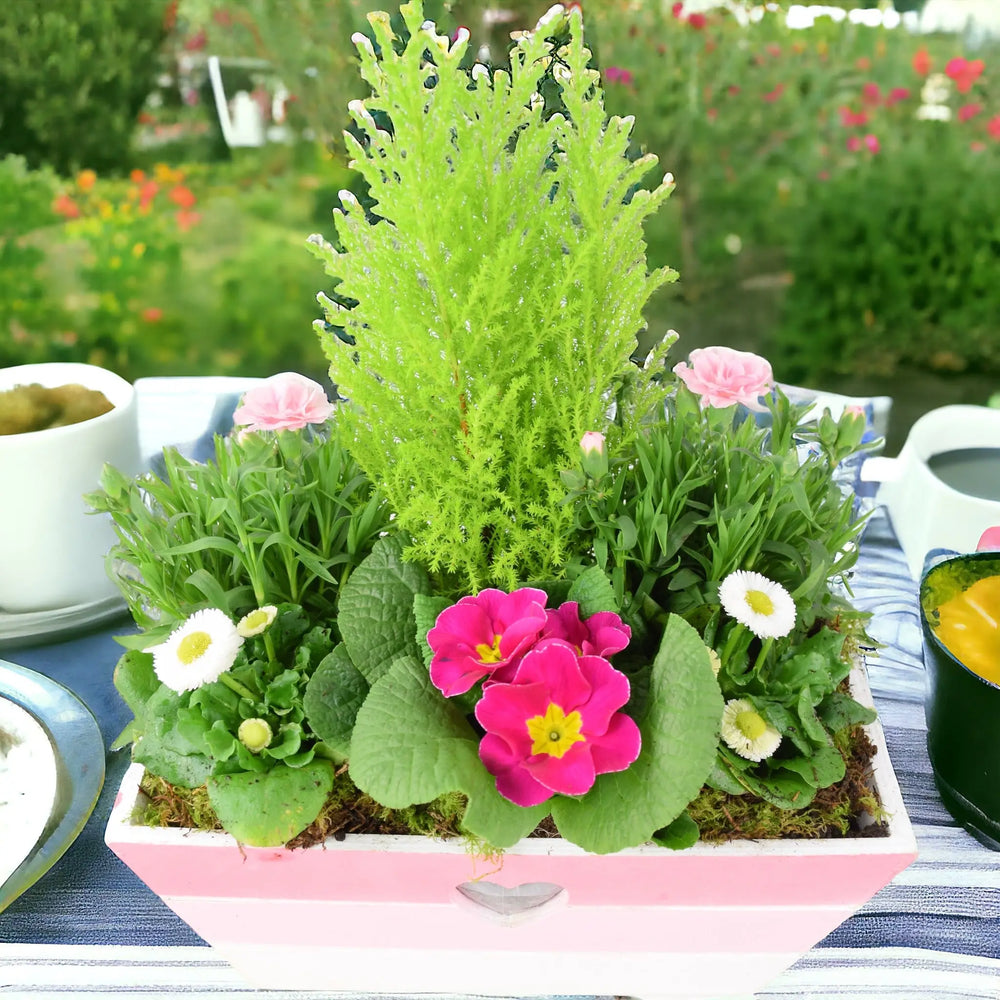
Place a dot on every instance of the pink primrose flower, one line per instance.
(602, 634)
(484, 636)
(285, 402)
(557, 726)
(989, 541)
(722, 376)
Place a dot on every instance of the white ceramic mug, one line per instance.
(927, 513)
(52, 548)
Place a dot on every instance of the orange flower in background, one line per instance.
(137, 176)
(186, 219)
(147, 193)
(166, 174)
(863, 63)
(86, 179)
(66, 207)
(964, 72)
(921, 62)
(152, 314)
(182, 196)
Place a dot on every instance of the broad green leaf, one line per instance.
(824, 768)
(333, 696)
(679, 835)
(411, 744)
(160, 758)
(781, 788)
(839, 710)
(811, 725)
(425, 612)
(680, 733)
(375, 612)
(270, 808)
(136, 683)
(592, 590)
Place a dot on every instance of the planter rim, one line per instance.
(900, 839)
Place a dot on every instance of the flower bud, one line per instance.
(594, 454)
(255, 734)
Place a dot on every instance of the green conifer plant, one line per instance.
(499, 281)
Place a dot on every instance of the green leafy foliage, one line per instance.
(538, 274)
(333, 696)
(268, 521)
(266, 810)
(73, 76)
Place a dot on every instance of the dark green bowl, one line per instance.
(962, 708)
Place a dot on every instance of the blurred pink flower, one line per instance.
(613, 74)
(772, 95)
(722, 376)
(871, 94)
(854, 143)
(993, 127)
(871, 141)
(484, 636)
(602, 634)
(849, 118)
(556, 726)
(285, 402)
(896, 95)
(964, 72)
(697, 21)
(967, 111)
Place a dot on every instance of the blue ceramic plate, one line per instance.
(79, 752)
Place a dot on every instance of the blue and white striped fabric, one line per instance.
(90, 928)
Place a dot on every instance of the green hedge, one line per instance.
(73, 76)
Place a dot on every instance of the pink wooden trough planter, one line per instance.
(383, 914)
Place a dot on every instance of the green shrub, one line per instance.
(73, 76)
(895, 263)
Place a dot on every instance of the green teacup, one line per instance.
(962, 703)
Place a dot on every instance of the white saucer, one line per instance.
(28, 627)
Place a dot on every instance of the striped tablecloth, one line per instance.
(90, 928)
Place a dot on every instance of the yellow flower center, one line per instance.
(192, 646)
(751, 725)
(554, 732)
(489, 654)
(255, 734)
(760, 602)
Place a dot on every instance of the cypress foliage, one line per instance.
(500, 279)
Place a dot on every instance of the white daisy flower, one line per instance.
(256, 621)
(747, 732)
(765, 607)
(204, 647)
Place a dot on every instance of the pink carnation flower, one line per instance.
(557, 726)
(285, 402)
(602, 634)
(484, 636)
(722, 376)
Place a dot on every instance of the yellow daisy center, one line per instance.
(555, 732)
(489, 654)
(759, 602)
(751, 725)
(256, 619)
(193, 646)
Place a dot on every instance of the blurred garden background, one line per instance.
(837, 206)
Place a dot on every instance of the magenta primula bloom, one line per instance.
(722, 376)
(602, 634)
(484, 636)
(285, 402)
(557, 725)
